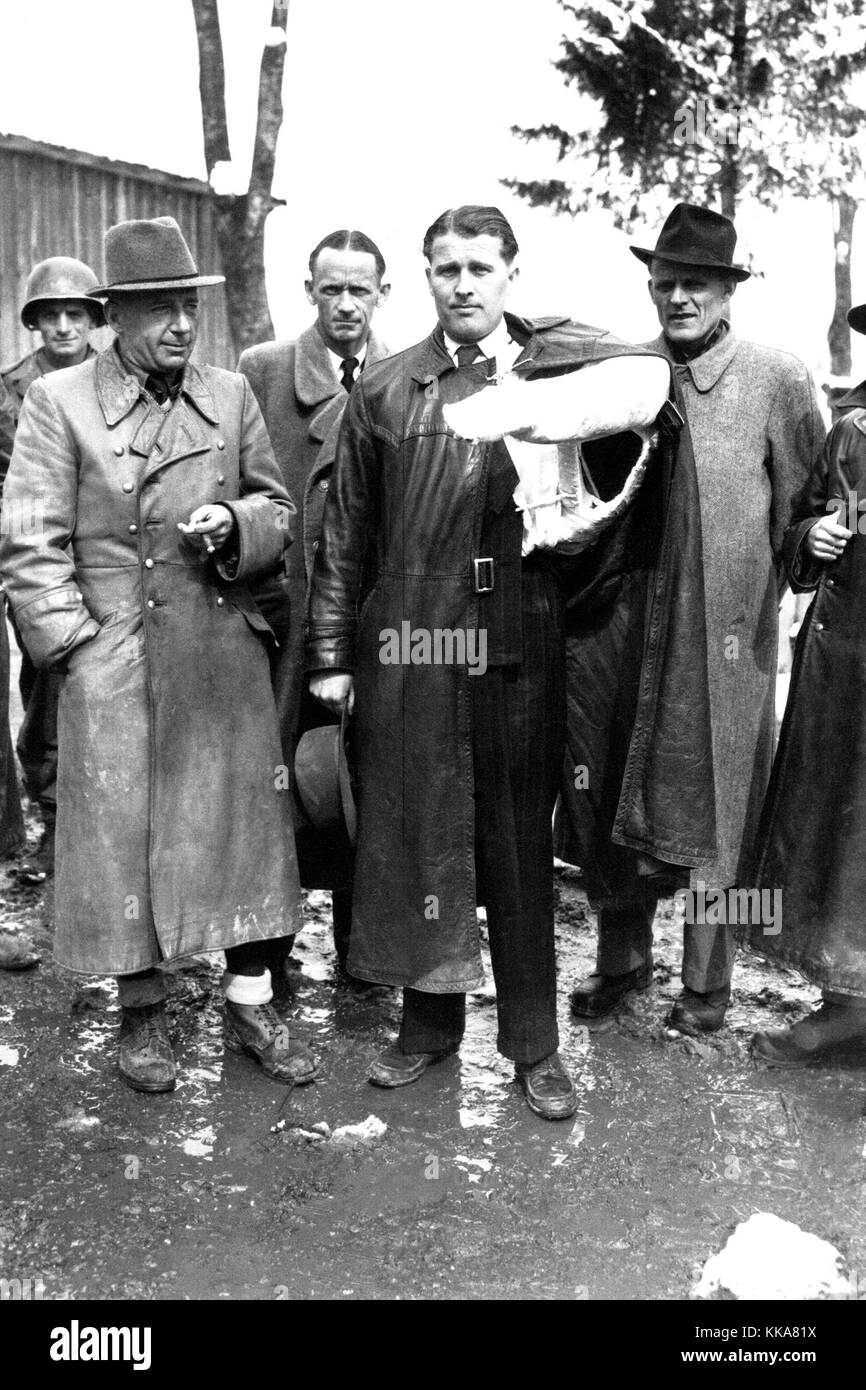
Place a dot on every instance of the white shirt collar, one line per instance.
(337, 361)
(498, 344)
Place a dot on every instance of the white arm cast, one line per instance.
(622, 393)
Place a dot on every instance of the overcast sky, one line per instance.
(394, 110)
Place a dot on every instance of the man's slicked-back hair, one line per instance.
(471, 220)
(346, 240)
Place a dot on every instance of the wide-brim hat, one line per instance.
(857, 318)
(150, 254)
(323, 781)
(696, 236)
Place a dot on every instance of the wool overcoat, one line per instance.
(302, 400)
(174, 831)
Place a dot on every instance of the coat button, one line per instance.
(119, 451)
(148, 564)
(819, 627)
(221, 479)
(220, 602)
(324, 485)
(128, 487)
(221, 444)
(133, 529)
(150, 603)
(831, 583)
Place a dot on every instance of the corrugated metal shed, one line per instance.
(58, 202)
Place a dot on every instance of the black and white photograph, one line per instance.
(432, 682)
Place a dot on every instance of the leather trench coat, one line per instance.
(401, 531)
(810, 841)
(174, 830)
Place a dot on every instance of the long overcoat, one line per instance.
(402, 528)
(302, 401)
(756, 433)
(173, 831)
(813, 829)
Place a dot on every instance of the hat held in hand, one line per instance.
(696, 236)
(149, 254)
(323, 780)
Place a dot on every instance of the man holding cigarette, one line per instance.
(157, 499)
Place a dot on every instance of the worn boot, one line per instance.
(695, 1013)
(600, 995)
(258, 1031)
(40, 865)
(146, 1061)
(832, 1030)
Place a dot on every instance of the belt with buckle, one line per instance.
(483, 575)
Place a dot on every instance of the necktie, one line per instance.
(467, 353)
(347, 372)
(502, 476)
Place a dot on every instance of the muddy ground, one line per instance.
(224, 1190)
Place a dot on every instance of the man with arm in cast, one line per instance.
(158, 500)
(302, 388)
(458, 762)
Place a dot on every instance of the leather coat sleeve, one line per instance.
(39, 509)
(264, 513)
(804, 572)
(339, 568)
(795, 434)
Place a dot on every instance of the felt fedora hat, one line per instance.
(696, 236)
(857, 318)
(322, 779)
(150, 254)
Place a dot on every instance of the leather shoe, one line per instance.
(146, 1061)
(831, 1029)
(548, 1087)
(598, 995)
(258, 1031)
(694, 1013)
(393, 1067)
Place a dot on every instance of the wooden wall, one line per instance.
(57, 202)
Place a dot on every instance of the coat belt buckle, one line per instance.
(484, 575)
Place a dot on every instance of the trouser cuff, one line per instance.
(141, 989)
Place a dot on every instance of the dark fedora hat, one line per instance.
(696, 236)
(322, 779)
(857, 318)
(150, 254)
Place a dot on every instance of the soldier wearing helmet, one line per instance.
(57, 307)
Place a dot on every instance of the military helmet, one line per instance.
(63, 278)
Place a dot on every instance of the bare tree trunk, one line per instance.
(730, 171)
(241, 218)
(839, 335)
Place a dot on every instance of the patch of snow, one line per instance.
(768, 1258)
